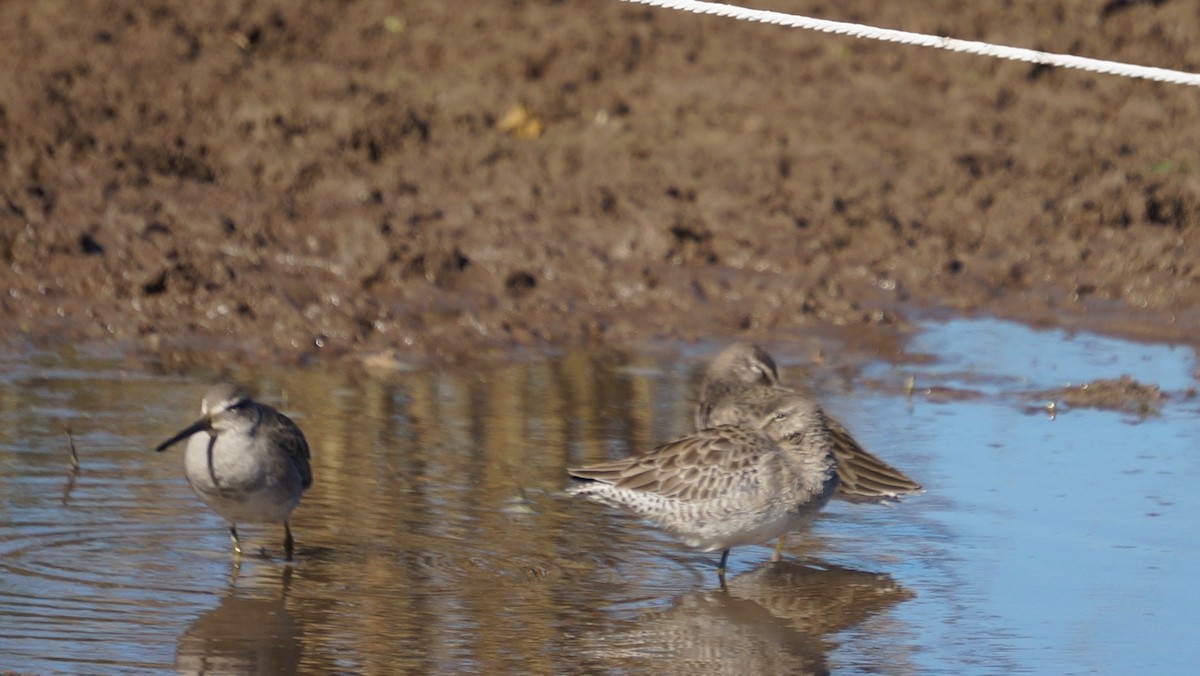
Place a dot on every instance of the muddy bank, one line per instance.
(371, 181)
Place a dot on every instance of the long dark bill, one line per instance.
(200, 425)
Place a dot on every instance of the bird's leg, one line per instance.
(288, 543)
(779, 549)
(721, 566)
(237, 546)
(235, 569)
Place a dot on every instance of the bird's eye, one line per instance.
(781, 416)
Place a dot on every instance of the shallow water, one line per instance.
(437, 537)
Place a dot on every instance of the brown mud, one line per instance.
(360, 181)
(1122, 394)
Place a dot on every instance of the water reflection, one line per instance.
(243, 634)
(437, 537)
(775, 619)
(72, 468)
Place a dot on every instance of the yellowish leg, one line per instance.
(779, 548)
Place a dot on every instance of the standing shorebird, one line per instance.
(742, 381)
(245, 460)
(728, 485)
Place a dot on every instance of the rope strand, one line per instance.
(906, 38)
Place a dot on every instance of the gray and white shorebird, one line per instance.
(727, 485)
(245, 460)
(742, 382)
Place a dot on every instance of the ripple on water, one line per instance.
(90, 584)
(91, 566)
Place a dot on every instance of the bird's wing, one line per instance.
(862, 476)
(698, 467)
(292, 441)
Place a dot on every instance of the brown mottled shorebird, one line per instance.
(743, 381)
(245, 460)
(727, 485)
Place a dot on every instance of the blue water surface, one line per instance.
(437, 537)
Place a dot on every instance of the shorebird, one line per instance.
(245, 460)
(743, 381)
(727, 485)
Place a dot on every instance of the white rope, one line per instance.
(906, 38)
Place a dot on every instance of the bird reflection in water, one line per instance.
(775, 619)
(248, 632)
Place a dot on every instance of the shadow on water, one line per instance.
(437, 537)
